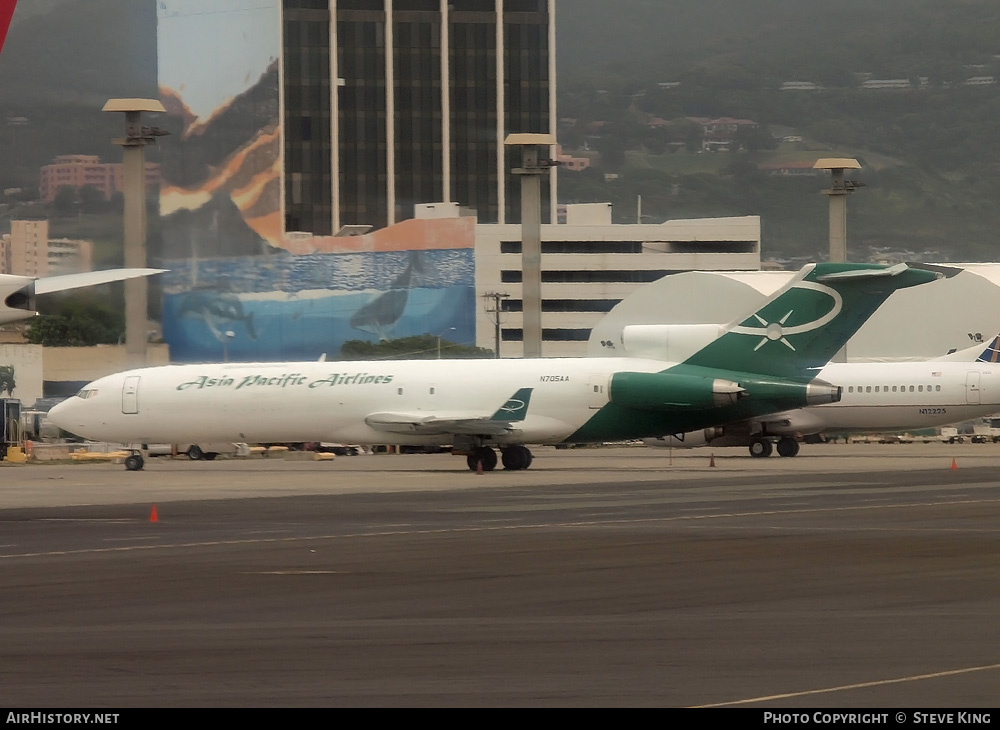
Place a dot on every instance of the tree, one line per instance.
(65, 201)
(92, 200)
(754, 139)
(78, 320)
(612, 151)
(418, 347)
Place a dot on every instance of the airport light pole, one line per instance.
(838, 192)
(137, 137)
(450, 329)
(534, 165)
(225, 338)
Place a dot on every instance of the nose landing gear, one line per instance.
(134, 461)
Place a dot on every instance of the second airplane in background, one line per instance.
(879, 397)
(764, 363)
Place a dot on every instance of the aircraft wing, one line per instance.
(429, 425)
(49, 284)
(474, 424)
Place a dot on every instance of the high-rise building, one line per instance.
(322, 114)
(392, 103)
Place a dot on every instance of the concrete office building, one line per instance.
(590, 265)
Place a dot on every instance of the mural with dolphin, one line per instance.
(301, 307)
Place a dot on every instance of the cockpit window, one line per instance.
(87, 393)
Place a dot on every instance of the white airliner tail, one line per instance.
(989, 352)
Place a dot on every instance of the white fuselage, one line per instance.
(329, 401)
(897, 396)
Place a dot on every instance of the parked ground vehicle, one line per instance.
(196, 452)
(983, 431)
(339, 449)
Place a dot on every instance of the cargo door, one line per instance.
(130, 395)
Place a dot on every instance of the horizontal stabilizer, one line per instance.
(49, 284)
(946, 272)
(852, 274)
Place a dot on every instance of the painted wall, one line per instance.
(218, 79)
(288, 307)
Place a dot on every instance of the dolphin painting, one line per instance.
(216, 308)
(384, 310)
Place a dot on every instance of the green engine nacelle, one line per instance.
(675, 391)
(669, 391)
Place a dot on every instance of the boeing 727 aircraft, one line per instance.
(878, 397)
(763, 363)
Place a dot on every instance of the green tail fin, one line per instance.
(803, 325)
(516, 407)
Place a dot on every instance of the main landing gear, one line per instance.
(787, 446)
(514, 458)
(761, 448)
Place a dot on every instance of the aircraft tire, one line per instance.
(195, 453)
(516, 458)
(134, 462)
(483, 454)
(788, 446)
(760, 448)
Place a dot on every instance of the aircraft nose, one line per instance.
(62, 415)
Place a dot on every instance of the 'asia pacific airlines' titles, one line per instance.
(285, 380)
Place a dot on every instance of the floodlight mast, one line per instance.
(535, 163)
(838, 192)
(133, 145)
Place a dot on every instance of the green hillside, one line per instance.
(931, 153)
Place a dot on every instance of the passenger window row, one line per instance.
(893, 389)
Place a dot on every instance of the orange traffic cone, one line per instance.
(711, 460)
(954, 465)
(152, 515)
(479, 467)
